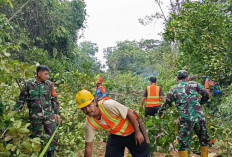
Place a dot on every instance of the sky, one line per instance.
(109, 21)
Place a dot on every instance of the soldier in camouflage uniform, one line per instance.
(185, 95)
(41, 98)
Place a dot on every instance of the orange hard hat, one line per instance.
(100, 80)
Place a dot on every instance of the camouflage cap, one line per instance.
(182, 74)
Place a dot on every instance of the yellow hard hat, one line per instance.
(84, 98)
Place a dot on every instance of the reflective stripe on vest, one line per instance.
(115, 125)
(153, 98)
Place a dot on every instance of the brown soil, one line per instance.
(99, 151)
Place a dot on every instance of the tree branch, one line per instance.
(159, 4)
(18, 84)
(18, 11)
(4, 132)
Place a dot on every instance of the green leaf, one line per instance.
(13, 148)
(11, 5)
(18, 151)
(27, 145)
(36, 139)
(23, 155)
(8, 138)
(6, 54)
(23, 130)
(9, 146)
(37, 148)
(17, 124)
(4, 150)
(27, 125)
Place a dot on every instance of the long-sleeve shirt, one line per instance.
(41, 99)
(100, 93)
(185, 96)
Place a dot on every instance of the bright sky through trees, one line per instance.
(110, 21)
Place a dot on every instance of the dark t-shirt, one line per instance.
(160, 94)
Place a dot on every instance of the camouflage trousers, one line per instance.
(49, 125)
(186, 130)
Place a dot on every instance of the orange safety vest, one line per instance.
(153, 96)
(103, 90)
(115, 125)
(207, 84)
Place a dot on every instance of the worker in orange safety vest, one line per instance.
(153, 97)
(208, 83)
(100, 90)
(115, 118)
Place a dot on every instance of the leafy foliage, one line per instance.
(140, 58)
(51, 25)
(203, 31)
(45, 32)
(200, 31)
(20, 52)
(163, 132)
(14, 133)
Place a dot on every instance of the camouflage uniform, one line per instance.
(185, 95)
(42, 103)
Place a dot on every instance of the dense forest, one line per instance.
(197, 38)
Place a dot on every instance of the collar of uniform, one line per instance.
(182, 82)
(36, 82)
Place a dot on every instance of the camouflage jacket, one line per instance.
(185, 95)
(41, 99)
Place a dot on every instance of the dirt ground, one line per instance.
(212, 153)
(99, 151)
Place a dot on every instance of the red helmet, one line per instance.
(100, 80)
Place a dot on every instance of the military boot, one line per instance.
(50, 153)
(183, 153)
(204, 151)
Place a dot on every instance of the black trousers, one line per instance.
(151, 111)
(116, 146)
